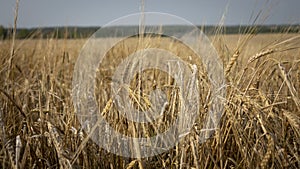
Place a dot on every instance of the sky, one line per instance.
(45, 13)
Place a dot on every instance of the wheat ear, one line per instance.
(231, 62)
(260, 54)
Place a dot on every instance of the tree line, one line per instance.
(85, 32)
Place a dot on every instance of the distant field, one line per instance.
(73, 46)
(260, 126)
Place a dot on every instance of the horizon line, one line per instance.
(129, 25)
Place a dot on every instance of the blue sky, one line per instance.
(40, 13)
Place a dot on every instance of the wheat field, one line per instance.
(259, 127)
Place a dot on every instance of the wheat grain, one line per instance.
(260, 54)
(268, 154)
(232, 60)
(293, 119)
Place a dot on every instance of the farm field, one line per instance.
(259, 127)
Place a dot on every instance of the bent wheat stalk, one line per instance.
(260, 54)
(289, 84)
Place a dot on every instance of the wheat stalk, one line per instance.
(12, 49)
(131, 164)
(232, 60)
(268, 154)
(63, 162)
(260, 54)
(18, 150)
(289, 84)
(85, 140)
(293, 119)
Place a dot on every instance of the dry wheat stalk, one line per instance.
(291, 87)
(12, 49)
(268, 154)
(25, 154)
(85, 140)
(195, 154)
(293, 119)
(11, 154)
(63, 162)
(2, 128)
(131, 164)
(232, 60)
(18, 150)
(260, 54)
